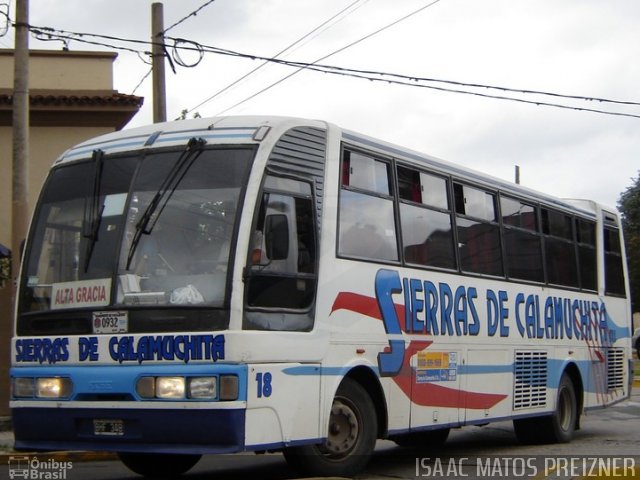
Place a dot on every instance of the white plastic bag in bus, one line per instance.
(186, 295)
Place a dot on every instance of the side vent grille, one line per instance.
(530, 389)
(301, 151)
(615, 368)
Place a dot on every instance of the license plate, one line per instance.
(110, 322)
(108, 427)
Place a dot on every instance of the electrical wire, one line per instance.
(407, 80)
(497, 97)
(144, 77)
(192, 14)
(4, 26)
(391, 78)
(80, 37)
(335, 52)
(175, 53)
(289, 48)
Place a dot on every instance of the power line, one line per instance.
(382, 75)
(386, 77)
(281, 52)
(4, 10)
(144, 77)
(81, 37)
(496, 97)
(192, 14)
(342, 49)
(400, 79)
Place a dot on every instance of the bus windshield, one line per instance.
(151, 229)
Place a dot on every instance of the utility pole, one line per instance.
(157, 65)
(518, 174)
(20, 119)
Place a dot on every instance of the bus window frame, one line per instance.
(450, 181)
(392, 197)
(309, 310)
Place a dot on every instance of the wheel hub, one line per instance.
(343, 429)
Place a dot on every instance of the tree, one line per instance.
(629, 205)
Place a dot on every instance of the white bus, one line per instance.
(258, 283)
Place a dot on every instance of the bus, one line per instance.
(238, 284)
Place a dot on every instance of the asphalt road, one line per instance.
(609, 438)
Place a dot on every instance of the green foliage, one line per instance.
(629, 205)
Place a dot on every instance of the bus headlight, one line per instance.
(56, 387)
(24, 388)
(196, 388)
(202, 387)
(170, 387)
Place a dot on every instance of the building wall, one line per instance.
(61, 70)
(46, 144)
(61, 78)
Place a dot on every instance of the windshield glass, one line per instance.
(181, 257)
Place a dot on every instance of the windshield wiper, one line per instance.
(150, 216)
(93, 214)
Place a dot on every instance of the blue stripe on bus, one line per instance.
(86, 151)
(484, 369)
(166, 138)
(212, 135)
(314, 370)
(554, 370)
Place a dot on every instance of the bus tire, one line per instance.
(158, 466)
(556, 428)
(353, 429)
(427, 438)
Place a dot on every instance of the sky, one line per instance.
(585, 48)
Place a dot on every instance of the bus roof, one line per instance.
(252, 129)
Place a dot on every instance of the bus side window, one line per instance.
(522, 240)
(613, 271)
(366, 209)
(425, 219)
(478, 230)
(560, 253)
(587, 257)
(281, 273)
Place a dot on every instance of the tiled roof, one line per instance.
(53, 98)
(104, 108)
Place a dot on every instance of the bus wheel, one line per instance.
(158, 466)
(556, 428)
(353, 429)
(428, 438)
